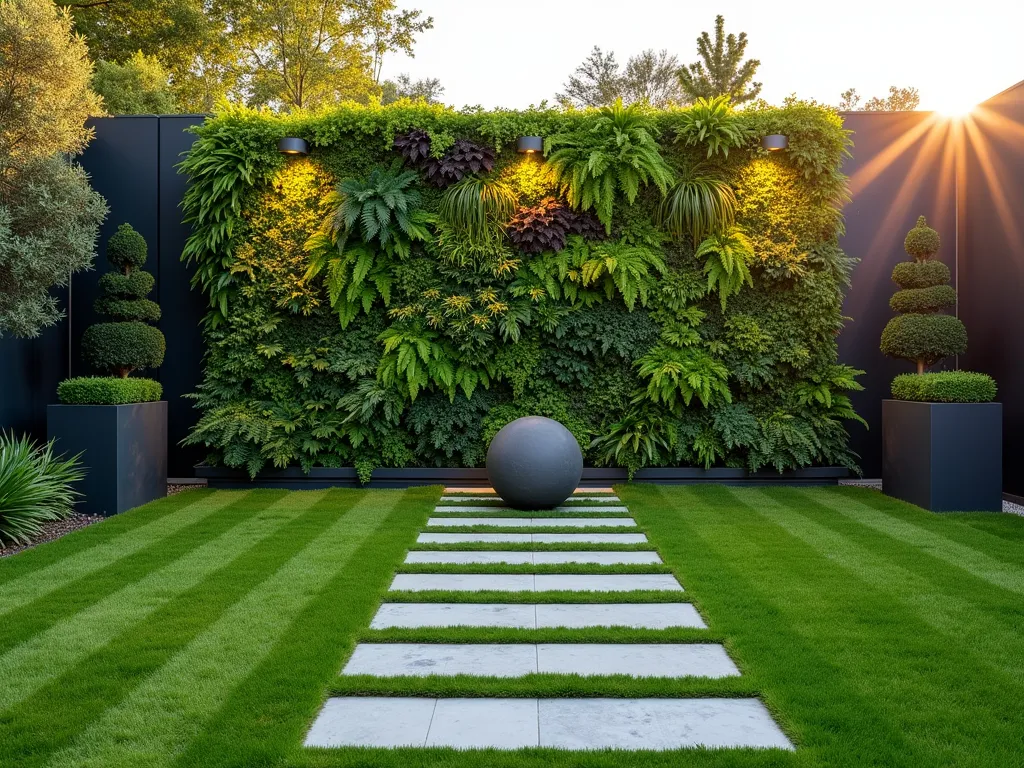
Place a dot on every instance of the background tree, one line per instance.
(652, 77)
(594, 83)
(190, 38)
(44, 84)
(385, 29)
(429, 90)
(140, 86)
(49, 215)
(899, 99)
(721, 71)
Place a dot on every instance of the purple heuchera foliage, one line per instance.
(544, 227)
(413, 146)
(464, 158)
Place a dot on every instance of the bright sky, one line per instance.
(513, 54)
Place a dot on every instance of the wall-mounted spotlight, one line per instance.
(290, 145)
(529, 145)
(775, 141)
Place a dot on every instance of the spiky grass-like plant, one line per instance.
(617, 153)
(35, 487)
(474, 206)
(698, 206)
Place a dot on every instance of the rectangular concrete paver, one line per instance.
(535, 538)
(526, 582)
(535, 522)
(487, 490)
(465, 499)
(628, 724)
(637, 615)
(589, 538)
(529, 615)
(408, 615)
(519, 659)
(368, 721)
(597, 558)
(657, 724)
(466, 508)
(421, 659)
(636, 659)
(470, 558)
(599, 582)
(463, 582)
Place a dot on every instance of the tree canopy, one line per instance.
(721, 70)
(649, 77)
(140, 86)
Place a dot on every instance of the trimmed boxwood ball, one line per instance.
(928, 338)
(920, 274)
(136, 285)
(126, 249)
(123, 347)
(534, 463)
(924, 300)
(945, 387)
(922, 242)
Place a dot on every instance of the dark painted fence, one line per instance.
(904, 164)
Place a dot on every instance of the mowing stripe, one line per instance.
(156, 722)
(71, 598)
(48, 654)
(55, 713)
(1004, 575)
(32, 586)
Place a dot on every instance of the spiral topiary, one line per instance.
(127, 344)
(921, 333)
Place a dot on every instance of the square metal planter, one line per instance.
(124, 452)
(945, 457)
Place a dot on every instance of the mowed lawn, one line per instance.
(206, 629)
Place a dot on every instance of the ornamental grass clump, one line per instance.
(128, 343)
(35, 487)
(922, 333)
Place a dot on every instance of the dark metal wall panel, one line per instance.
(992, 262)
(30, 370)
(183, 308)
(902, 167)
(122, 165)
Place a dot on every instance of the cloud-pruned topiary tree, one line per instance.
(127, 344)
(922, 333)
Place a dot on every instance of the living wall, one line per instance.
(656, 281)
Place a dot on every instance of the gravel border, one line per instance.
(51, 532)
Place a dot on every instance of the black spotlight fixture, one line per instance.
(529, 145)
(775, 141)
(290, 145)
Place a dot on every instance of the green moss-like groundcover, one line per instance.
(445, 340)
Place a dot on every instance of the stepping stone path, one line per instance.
(560, 723)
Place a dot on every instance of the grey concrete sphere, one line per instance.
(534, 463)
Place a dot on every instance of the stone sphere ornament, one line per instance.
(534, 463)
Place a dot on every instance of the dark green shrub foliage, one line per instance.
(920, 274)
(35, 487)
(922, 242)
(123, 346)
(127, 344)
(108, 390)
(928, 337)
(923, 300)
(126, 249)
(455, 320)
(945, 387)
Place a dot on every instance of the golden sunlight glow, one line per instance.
(953, 104)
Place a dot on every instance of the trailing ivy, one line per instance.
(413, 285)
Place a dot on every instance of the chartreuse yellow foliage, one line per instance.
(280, 221)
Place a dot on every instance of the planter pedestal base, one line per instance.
(124, 452)
(945, 457)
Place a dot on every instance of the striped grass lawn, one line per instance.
(207, 628)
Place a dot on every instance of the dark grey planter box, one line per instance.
(946, 457)
(124, 452)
